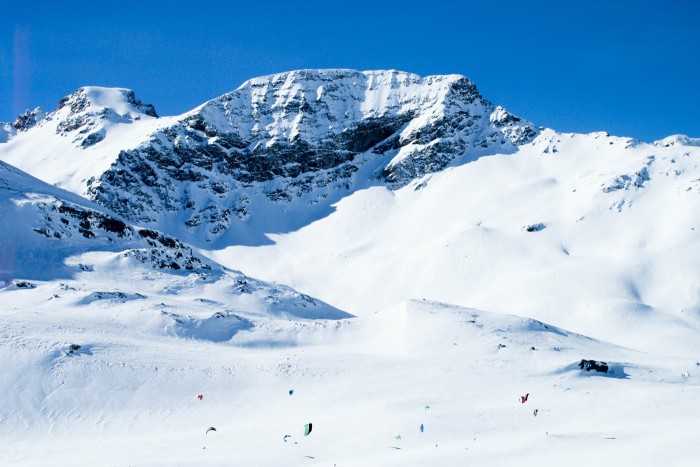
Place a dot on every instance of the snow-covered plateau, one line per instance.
(393, 259)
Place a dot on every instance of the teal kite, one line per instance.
(307, 429)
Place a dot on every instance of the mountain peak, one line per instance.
(96, 98)
(306, 135)
(86, 114)
(677, 140)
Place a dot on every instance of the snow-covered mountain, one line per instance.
(589, 232)
(49, 235)
(268, 156)
(59, 147)
(329, 180)
(482, 257)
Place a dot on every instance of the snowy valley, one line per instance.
(390, 257)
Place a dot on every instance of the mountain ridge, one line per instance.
(275, 139)
(56, 235)
(237, 179)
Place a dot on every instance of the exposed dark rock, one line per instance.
(92, 139)
(588, 365)
(28, 119)
(535, 227)
(290, 141)
(148, 233)
(146, 109)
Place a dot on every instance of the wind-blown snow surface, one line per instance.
(588, 232)
(129, 395)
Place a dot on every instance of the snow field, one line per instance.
(574, 246)
(128, 396)
(617, 265)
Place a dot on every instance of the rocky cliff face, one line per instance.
(84, 114)
(304, 135)
(302, 138)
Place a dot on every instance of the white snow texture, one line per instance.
(442, 260)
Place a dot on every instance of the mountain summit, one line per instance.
(160, 300)
(309, 136)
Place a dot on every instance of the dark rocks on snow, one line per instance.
(93, 138)
(88, 220)
(215, 153)
(588, 365)
(147, 109)
(535, 227)
(28, 119)
(152, 234)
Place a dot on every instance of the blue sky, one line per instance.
(629, 67)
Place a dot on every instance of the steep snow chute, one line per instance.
(307, 429)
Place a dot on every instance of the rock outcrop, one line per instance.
(295, 141)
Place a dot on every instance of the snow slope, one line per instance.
(55, 237)
(616, 257)
(385, 195)
(44, 226)
(129, 395)
(72, 145)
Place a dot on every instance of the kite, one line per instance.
(307, 429)
(211, 428)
